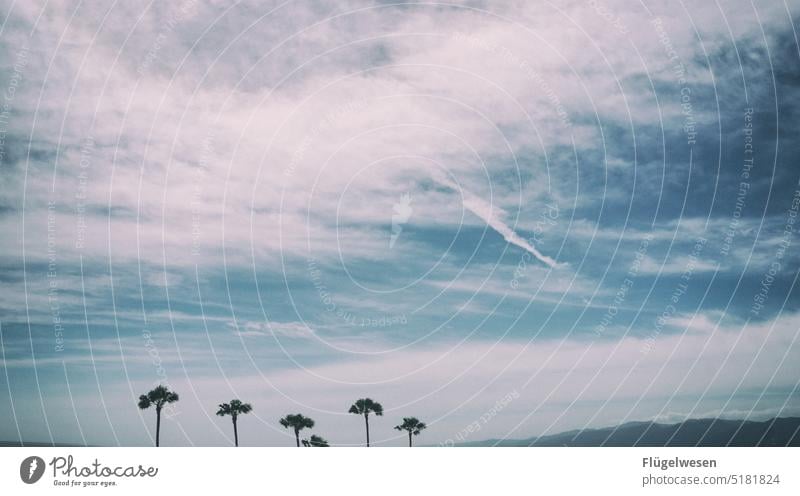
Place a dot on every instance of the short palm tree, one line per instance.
(315, 442)
(363, 407)
(297, 422)
(412, 425)
(159, 397)
(234, 409)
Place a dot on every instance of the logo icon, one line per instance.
(31, 469)
(402, 212)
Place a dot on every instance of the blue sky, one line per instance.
(587, 208)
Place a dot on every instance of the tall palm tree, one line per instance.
(315, 442)
(234, 409)
(363, 407)
(159, 397)
(297, 422)
(412, 425)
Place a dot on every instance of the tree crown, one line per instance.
(234, 408)
(315, 442)
(365, 406)
(412, 425)
(159, 396)
(296, 421)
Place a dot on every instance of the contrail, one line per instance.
(493, 216)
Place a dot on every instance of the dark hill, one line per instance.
(696, 432)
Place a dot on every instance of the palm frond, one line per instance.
(365, 406)
(317, 442)
(224, 409)
(412, 425)
(297, 421)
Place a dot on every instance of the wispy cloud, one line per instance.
(278, 329)
(494, 218)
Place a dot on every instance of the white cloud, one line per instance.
(279, 329)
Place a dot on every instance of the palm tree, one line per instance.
(315, 442)
(234, 409)
(363, 407)
(412, 425)
(297, 422)
(159, 397)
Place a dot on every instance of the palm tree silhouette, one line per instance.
(297, 422)
(363, 407)
(412, 425)
(315, 442)
(234, 409)
(159, 397)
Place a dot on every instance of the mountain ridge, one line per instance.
(706, 432)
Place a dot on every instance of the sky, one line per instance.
(505, 218)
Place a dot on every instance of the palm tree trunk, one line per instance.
(235, 433)
(158, 425)
(366, 420)
(409, 439)
(297, 437)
